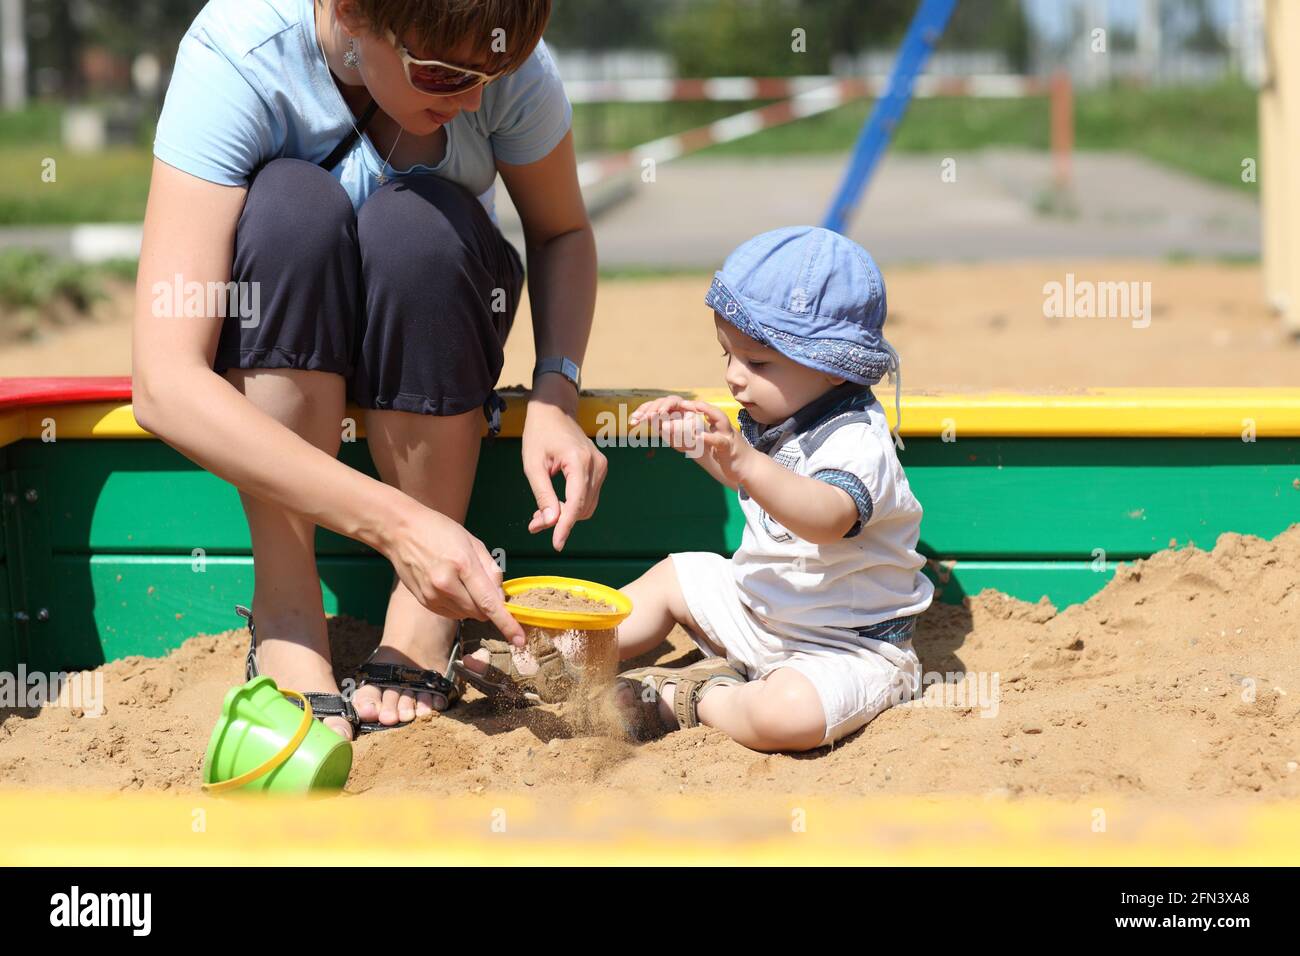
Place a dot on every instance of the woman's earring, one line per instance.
(350, 59)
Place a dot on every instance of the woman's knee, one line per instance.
(427, 236)
(441, 289)
(427, 206)
(295, 207)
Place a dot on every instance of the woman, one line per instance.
(329, 164)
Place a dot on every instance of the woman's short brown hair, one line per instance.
(443, 25)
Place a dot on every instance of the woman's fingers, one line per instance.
(595, 480)
(486, 561)
(577, 490)
(548, 503)
(490, 602)
(450, 598)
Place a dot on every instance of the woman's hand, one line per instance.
(554, 442)
(449, 570)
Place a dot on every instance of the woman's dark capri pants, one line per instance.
(410, 299)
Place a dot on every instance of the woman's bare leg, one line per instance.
(432, 459)
(293, 647)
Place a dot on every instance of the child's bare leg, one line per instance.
(783, 711)
(293, 647)
(657, 604)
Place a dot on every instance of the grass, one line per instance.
(35, 286)
(101, 187)
(1204, 131)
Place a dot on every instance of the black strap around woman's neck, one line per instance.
(341, 150)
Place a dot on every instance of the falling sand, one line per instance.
(1180, 681)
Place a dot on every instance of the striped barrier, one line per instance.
(735, 88)
(806, 96)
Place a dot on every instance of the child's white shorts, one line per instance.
(855, 683)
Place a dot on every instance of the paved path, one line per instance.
(698, 210)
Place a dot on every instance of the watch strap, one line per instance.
(557, 363)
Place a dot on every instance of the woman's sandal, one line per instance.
(692, 683)
(380, 675)
(322, 704)
(502, 681)
(412, 680)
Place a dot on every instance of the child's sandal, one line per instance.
(692, 683)
(503, 682)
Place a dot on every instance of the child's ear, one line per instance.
(835, 380)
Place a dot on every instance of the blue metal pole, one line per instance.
(924, 32)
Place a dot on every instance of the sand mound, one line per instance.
(1180, 680)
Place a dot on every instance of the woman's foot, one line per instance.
(295, 667)
(426, 649)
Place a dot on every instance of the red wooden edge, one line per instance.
(18, 392)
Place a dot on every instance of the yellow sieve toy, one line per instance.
(560, 620)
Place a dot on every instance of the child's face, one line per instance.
(770, 386)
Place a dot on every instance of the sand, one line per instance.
(557, 599)
(976, 326)
(1179, 682)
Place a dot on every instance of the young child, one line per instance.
(807, 628)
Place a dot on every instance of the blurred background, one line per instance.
(1105, 140)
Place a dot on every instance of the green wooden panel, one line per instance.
(107, 546)
(113, 606)
(1064, 498)
(8, 641)
(1061, 582)
(25, 512)
(984, 498)
(143, 497)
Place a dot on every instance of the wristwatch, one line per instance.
(557, 363)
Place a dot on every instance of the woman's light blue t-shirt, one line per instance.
(250, 85)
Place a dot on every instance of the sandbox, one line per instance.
(1139, 649)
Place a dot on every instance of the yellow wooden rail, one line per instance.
(175, 829)
(1105, 412)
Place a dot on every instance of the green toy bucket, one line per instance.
(263, 742)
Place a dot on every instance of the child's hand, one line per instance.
(675, 425)
(725, 445)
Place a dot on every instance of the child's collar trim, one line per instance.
(840, 398)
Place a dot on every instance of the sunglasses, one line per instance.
(436, 78)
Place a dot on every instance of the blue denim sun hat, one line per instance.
(814, 296)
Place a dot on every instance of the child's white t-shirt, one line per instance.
(818, 592)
